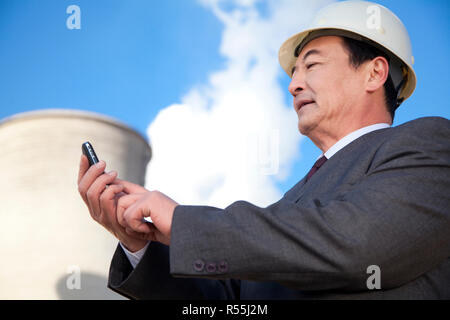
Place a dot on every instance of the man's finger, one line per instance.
(84, 166)
(130, 187)
(123, 204)
(109, 195)
(107, 203)
(133, 217)
(89, 177)
(97, 188)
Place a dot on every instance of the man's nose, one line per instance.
(296, 85)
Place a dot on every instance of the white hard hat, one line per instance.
(365, 21)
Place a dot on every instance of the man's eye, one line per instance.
(310, 65)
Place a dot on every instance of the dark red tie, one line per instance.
(316, 167)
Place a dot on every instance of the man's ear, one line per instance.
(378, 72)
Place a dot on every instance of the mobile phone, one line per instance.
(89, 152)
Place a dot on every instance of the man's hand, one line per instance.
(133, 207)
(101, 201)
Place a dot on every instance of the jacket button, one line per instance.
(223, 266)
(199, 265)
(211, 267)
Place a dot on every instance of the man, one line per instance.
(377, 199)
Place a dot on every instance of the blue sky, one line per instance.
(133, 58)
(129, 58)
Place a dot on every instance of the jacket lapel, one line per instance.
(333, 168)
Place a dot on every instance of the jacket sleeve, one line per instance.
(396, 217)
(151, 279)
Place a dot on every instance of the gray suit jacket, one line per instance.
(382, 200)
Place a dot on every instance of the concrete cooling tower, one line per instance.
(50, 247)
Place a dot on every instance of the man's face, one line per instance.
(325, 88)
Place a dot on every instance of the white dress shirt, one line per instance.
(353, 136)
(135, 257)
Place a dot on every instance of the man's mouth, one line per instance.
(301, 104)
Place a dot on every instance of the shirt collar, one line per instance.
(353, 136)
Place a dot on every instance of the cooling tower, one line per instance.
(50, 248)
